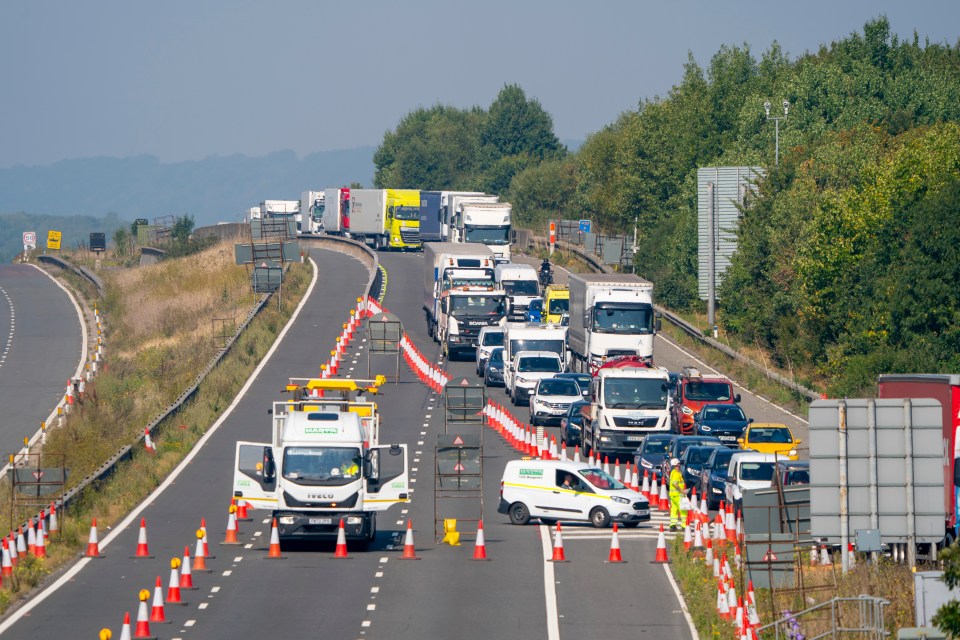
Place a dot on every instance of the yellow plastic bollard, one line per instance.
(451, 535)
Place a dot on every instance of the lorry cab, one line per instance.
(558, 490)
(522, 286)
(556, 303)
(694, 390)
(403, 219)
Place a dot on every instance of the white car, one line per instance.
(552, 398)
(489, 339)
(527, 368)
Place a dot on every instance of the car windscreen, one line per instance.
(731, 412)
(651, 445)
(477, 305)
(534, 344)
(520, 287)
(721, 458)
(772, 436)
(538, 363)
(321, 465)
(635, 393)
(493, 339)
(496, 356)
(558, 306)
(756, 471)
(708, 391)
(406, 213)
(699, 455)
(556, 387)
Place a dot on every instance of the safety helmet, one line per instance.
(674, 462)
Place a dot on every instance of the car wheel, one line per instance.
(599, 517)
(519, 514)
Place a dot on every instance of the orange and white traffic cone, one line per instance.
(341, 550)
(206, 543)
(242, 514)
(12, 546)
(125, 629)
(409, 551)
(40, 550)
(664, 500)
(615, 555)
(7, 566)
(157, 613)
(576, 453)
(274, 551)
(143, 617)
(231, 537)
(54, 527)
(687, 538)
(723, 606)
(661, 557)
(627, 476)
(606, 465)
(708, 558)
(31, 538)
(645, 487)
(93, 543)
(654, 496)
(186, 573)
(173, 587)
(199, 558)
(480, 548)
(21, 542)
(142, 550)
(635, 483)
(558, 555)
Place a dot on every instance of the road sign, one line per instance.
(585, 226)
(53, 240)
(141, 222)
(29, 240)
(98, 241)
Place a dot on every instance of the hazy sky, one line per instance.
(186, 79)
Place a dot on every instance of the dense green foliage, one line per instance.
(848, 253)
(444, 148)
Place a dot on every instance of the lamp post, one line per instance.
(776, 123)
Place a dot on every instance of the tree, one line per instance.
(518, 126)
(182, 229)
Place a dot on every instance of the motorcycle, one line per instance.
(545, 277)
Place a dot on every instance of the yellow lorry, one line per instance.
(556, 303)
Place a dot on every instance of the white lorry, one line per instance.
(323, 463)
(451, 205)
(530, 336)
(520, 282)
(486, 223)
(610, 315)
(253, 213)
(282, 210)
(336, 211)
(311, 212)
(630, 401)
(459, 296)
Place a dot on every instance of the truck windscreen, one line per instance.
(321, 465)
(496, 235)
(633, 319)
(534, 344)
(707, 391)
(476, 305)
(520, 287)
(406, 213)
(558, 306)
(635, 393)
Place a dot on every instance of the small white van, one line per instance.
(750, 470)
(560, 490)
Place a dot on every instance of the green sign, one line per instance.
(531, 473)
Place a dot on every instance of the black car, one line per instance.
(726, 422)
(583, 381)
(679, 445)
(650, 454)
(713, 475)
(571, 425)
(493, 368)
(792, 472)
(692, 462)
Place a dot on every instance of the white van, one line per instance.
(750, 470)
(537, 489)
(526, 369)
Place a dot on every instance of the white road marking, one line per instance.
(374, 589)
(189, 623)
(371, 607)
(227, 573)
(549, 586)
(683, 605)
(203, 605)
(238, 559)
(215, 590)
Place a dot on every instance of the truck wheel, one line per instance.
(519, 514)
(599, 517)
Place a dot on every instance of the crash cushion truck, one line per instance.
(323, 464)
(945, 388)
(610, 315)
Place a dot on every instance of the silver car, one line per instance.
(489, 338)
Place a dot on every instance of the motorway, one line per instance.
(374, 594)
(41, 346)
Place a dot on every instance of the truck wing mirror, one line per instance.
(586, 319)
(269, 466)
(956, 472)
(736, 398)
(658, 323)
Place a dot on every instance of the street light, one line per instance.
(776, 122)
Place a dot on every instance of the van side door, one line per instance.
(255, 475)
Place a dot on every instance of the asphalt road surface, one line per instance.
(41, 345)
(374, 594)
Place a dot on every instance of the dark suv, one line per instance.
(679, 445)
(726, 422)
(713, 475)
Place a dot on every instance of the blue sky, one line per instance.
(187, 79)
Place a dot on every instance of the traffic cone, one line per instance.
(40, 550)
(21, 543)
(730, 525)
(231, 537)
(173, 587)
(615, 546)
(274, 551)
(480, 548)
(142, 550)
(654, 496)
(635, 482)
(143, 618)
(409, 551)
(698, 537)
(93, 543)
(31, 538)
(661, 556)
(825, 557)
(664, 500)
(576, 453)
(606, 465)
(851, 555)
(341, 551)
(590, 460)
(12, 546)
(206, 543)
(157, 613)
(627, 477)
(563, 450)
(186, 574)
(54, 527)
(708, 558)
(616, 470)
(738, 617)
(558, 555)
(148, 442)
(723, 608)
(645, 487)
(199, 558)
(125, 629)
(242, 510)
(687, 538)
(739, 527)
(6, 566)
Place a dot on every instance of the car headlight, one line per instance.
(715, 490)
(687, 411)
(573, 426)
(645, 464)
(287, 519)
(606, 439)
(793, 452)
(620, 500)
(522, 379)
(453, 337)
(493, 368)
(396, 238)
(705, 427)
(354, 520)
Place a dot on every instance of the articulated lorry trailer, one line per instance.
(385, 218)
(324, 463)
(610, 315)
